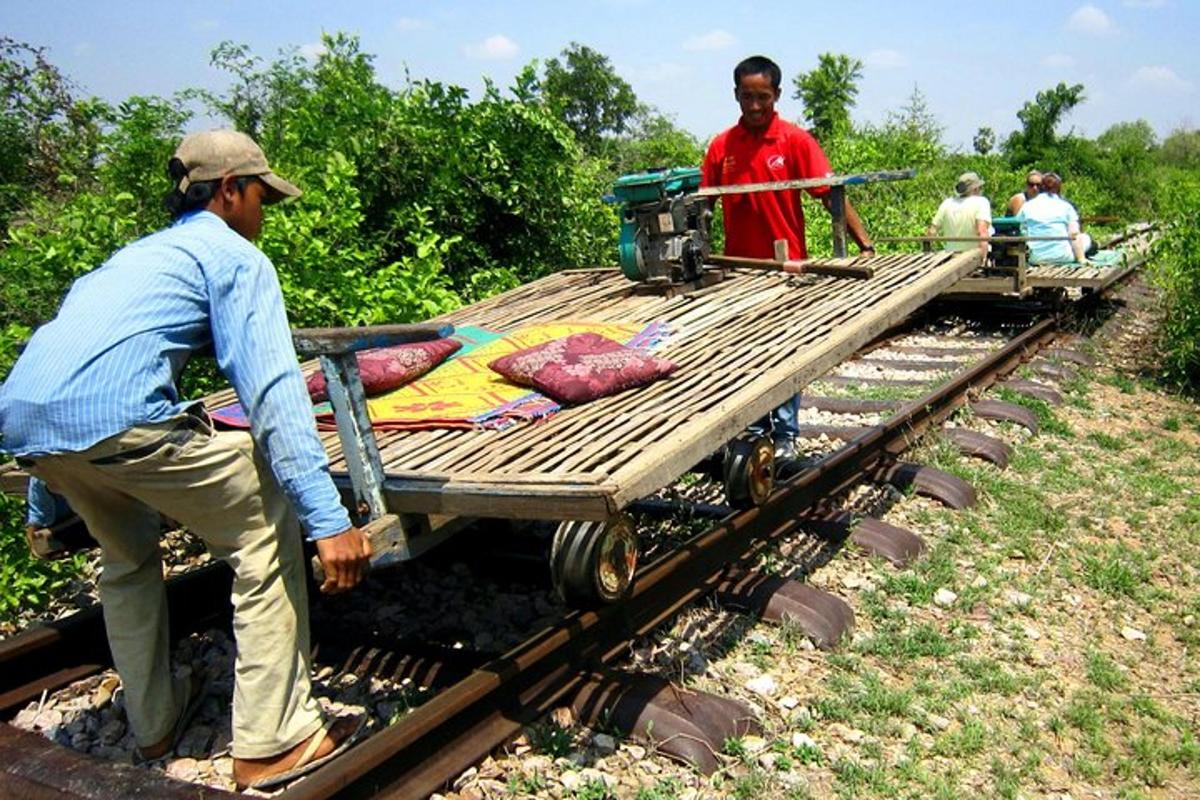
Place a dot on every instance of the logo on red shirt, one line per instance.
(775, 162)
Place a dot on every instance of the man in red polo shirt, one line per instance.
(762, 147)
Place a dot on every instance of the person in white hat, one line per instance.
(966, 215)
(91, 408)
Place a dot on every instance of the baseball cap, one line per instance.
(968, 181)
(211, 155)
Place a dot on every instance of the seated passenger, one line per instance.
(1033, 184)
(968, 214)
(1049, 215)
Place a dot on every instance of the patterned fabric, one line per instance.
(582, 367)
(386, 368)
(464, 393)
(111, 357)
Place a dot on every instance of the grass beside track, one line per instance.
(1045, 647)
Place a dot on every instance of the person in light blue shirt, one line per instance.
(91, 408)
(1047, 214)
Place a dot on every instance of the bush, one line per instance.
(1176, 270)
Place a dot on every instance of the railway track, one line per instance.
(482, 700)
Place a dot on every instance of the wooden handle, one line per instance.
(844, 270)
(311, 342)
(379, 532)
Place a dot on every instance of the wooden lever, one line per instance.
(385, 535)
(847, 270)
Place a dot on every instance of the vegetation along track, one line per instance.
(485, 702)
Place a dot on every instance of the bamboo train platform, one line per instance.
(1024, 280)
(743, 346)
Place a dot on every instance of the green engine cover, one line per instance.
(646, 187)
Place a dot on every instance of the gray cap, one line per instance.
(968, 182)
(211, 155)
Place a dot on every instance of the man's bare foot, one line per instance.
(292, 763)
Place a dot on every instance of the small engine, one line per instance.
(664, 225)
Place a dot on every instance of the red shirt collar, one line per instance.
(770, 132)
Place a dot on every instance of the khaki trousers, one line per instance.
(214, 484)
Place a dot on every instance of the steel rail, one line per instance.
(464, 722)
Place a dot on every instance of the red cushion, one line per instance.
(385, 368)
(581, 367)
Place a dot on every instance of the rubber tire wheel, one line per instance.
(576, 561)
(743, 457)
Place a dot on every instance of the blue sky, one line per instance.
(975, 63)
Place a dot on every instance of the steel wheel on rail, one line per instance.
(593, 562)
(749, 470)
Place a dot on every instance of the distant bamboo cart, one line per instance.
(1008, 273)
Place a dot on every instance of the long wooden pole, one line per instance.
(796, 267)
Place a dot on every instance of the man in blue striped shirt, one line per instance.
(91, 408)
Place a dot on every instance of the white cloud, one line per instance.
(713, 40)
(886, 59)
(1145, 3)
(1091, 21)
(1058, 61)
(405, 24)
(1159, 79)
(493, 48)
(313, 50)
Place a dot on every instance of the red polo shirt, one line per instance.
(755, 220)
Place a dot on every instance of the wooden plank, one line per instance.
(33, 767)
(13, 480)
(808, 183)
(311, 342)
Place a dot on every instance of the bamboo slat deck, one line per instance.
(742, 346)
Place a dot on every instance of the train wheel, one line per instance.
(593, 562)
(749, 471)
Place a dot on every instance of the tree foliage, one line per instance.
(1040, 119)
(984, 141)
(1181, 149)
(828, 92)
(593, 99)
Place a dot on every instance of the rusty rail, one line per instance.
(460, 725)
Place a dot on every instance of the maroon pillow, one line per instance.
(581, 367)
(385, 368)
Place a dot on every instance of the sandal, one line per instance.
(197, 691)
(306, 763)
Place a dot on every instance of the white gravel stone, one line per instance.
(764, 685)
(184, 769)
(944, 598)
(1133, 634)
(1019, 599)
(980, 582)
(754, 744)
(789, 702)
(804, 740)
(939, 722)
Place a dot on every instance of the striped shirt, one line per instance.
(111, 358)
